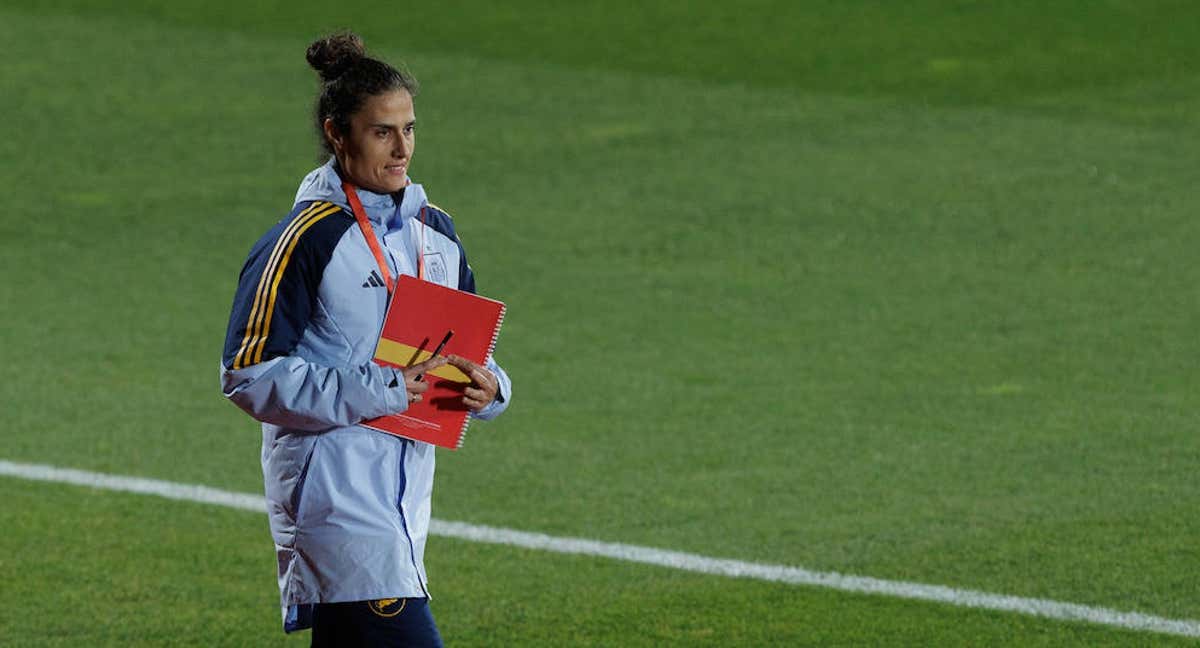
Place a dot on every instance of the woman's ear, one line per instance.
(332, 135)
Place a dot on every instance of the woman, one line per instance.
(349, 507)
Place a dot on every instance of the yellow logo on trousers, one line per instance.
(388, 607)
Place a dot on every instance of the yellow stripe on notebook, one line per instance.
(406, 356)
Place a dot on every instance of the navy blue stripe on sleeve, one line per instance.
(278, 284)
(438, 220)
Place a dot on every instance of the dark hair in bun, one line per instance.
(348, 78)
(330, 56)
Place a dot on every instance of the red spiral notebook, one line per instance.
(418, 317)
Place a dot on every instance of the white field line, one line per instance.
(650, 556)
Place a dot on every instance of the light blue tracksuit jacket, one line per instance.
(349, 507)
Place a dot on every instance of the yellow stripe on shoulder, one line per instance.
(255, 322)
(327, 209)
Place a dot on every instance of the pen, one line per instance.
(441, 345)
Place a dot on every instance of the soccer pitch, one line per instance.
(897, 292)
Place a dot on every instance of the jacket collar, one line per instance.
(324, 183)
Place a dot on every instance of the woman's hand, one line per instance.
(417, 387)
(484, 384)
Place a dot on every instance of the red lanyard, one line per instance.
(368, 233)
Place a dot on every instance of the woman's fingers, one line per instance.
(476, 396)
(478, 374)
(414, 380)
(472, 393)
(484, 385)
(428, 365)
(476, 399)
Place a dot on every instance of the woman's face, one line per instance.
(375, 154)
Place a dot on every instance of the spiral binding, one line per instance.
(462, 434)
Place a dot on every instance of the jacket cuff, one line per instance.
(395, 395)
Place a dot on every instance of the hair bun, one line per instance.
(334, 54)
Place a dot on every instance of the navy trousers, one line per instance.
(371, 624)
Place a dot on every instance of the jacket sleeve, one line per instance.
(276, 296)
(292, 392)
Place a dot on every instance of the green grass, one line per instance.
(941, 51)
(100, 568)
(850, 315)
